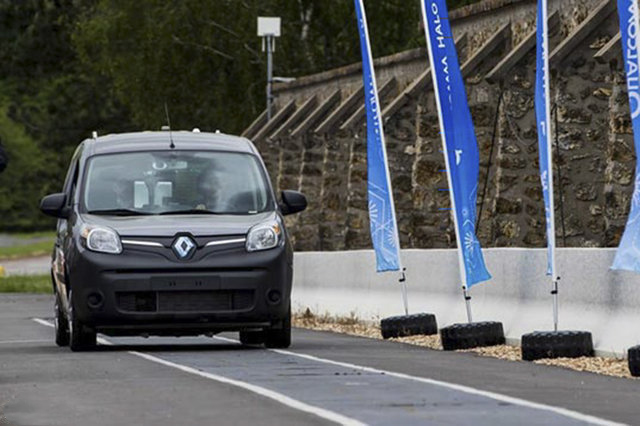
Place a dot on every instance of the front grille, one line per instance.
(183, 271)
(141, 301)
(185, 301)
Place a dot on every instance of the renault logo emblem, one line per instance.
(183, 247)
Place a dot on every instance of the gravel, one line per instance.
(607, 366)
(345, 325)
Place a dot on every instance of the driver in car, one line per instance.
(211, 192)
(123, 191)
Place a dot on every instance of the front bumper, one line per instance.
(147, 290)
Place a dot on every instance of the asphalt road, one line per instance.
(8, 240)
(323, 378)
(40, 265)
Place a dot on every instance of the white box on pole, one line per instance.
(268, 26)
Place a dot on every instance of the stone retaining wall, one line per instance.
(595, 155)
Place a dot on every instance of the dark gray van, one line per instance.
(171, 233)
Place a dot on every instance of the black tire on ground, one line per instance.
(252, 337)
(556, 344)
(60, 323)
(472, 335)
(279, 338)
(408, 325)
(634, 361)
(81, 337)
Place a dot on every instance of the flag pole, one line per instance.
(405, 297)
(401, 269)
(556, 344)
(551, 234)
(463, 274)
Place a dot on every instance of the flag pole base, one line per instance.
(634, 361)
(472, 335)
(556, 344)
(409, 325)
(405, 297)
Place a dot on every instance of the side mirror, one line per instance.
(292, 202)
(54, 205)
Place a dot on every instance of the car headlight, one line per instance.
(264, 236)
(101, 240)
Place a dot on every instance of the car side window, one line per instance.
(73, 184)
(71, 180)
(68, 179)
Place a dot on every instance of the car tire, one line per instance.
(279, 338)
(60, 323)
(472, 335)
(252, 337)
(556, 344)
(81, 337)
(408, 325)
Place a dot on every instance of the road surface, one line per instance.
(323, 378)
(40, 265)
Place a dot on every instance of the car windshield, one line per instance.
(175, 182)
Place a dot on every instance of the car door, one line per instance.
(64, 234)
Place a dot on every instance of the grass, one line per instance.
(38, 234)
(42, 244)
(26, 284)
(38, 248)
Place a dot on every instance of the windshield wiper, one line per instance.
(192, 211)
(119, 212)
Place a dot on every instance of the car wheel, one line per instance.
(252, 337)
(81, 337)
(60, 323)
(279, 337)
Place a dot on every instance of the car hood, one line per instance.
(170, 225)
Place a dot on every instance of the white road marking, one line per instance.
(466, 389)
(340, 419)
(11, 342)
(43, 322)
(278, 397)
(267, 393)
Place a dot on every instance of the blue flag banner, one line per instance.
(543, 118)
(382, 215)
(628, 254)
(458, 137)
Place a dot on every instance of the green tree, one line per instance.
(68, 67)
(48, 103)
(205, 61)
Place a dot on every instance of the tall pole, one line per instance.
(434, 77)
(378, 120)
(552, 226)
(269, 41)
(268, 30)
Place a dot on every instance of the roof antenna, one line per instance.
(166, 112)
